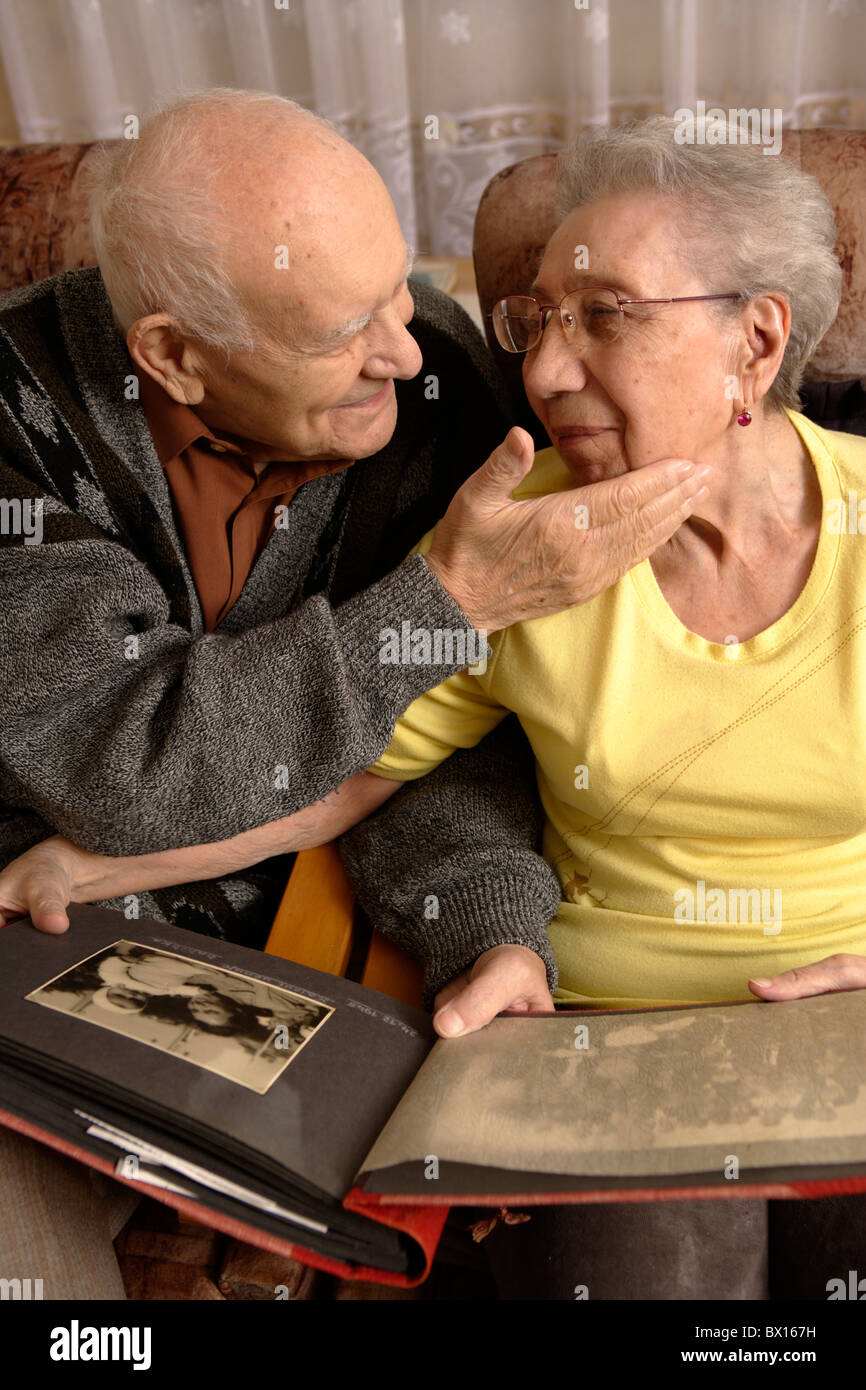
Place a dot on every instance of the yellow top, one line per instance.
(705, 803)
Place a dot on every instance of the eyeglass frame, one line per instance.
(677, 299)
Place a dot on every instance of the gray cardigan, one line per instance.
(129, 729)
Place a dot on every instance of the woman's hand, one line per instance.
(505, 977)
(41, 882)
(828, 976)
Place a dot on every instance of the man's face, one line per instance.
(337, 316)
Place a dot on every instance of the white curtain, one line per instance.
(439, 94)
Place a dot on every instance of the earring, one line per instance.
(744, 417)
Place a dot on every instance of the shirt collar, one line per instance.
(173, 427)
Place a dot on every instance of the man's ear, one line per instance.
(159, 349)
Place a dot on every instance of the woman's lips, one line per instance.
(580, 431)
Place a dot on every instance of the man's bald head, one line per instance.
(186, 218)
(255, 262)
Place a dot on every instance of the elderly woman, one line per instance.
(705, 818)
(699, 728)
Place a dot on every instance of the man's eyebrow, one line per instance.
(345, 330)
(353, 326)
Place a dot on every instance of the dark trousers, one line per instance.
(723, 1249)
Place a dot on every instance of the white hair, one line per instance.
(750, 222)
(158, 233)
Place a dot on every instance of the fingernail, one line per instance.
(450, 1022)
(762, 984)
(684, 468)
(703, 471)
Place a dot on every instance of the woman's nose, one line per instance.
(554, 364)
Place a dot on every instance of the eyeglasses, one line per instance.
(597, 312)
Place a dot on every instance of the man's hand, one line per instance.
(46, 878)
(504, 561)
(40, 882)
(505, 977)
(828, 976)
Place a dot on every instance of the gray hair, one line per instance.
(751, 222)
(158, 233)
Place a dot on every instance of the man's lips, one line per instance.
(379, 398)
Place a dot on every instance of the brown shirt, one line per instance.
(224, 500)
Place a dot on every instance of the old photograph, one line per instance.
(646, 1093)
(243, 1029)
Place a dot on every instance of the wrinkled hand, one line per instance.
(505, 977)
(40, 882)
(504, 561)
(828, 976)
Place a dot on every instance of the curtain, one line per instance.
(439, 94)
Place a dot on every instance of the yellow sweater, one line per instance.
(705, 803)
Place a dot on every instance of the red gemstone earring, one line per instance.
(744, 417)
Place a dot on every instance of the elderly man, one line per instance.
(207, 430)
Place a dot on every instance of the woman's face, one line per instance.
(208, 1009)
(657, 391)
(126, 998)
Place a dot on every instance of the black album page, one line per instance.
(269, 1058)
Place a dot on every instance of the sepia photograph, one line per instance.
(243, 1029)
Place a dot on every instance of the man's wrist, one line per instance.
(97, 876)
(75, 866)
(454, 591)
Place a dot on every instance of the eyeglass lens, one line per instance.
(594, 313)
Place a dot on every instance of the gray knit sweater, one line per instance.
(129, 729)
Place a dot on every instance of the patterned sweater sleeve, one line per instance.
(128, 734)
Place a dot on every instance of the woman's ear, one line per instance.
(768, 328)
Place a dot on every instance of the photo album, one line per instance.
(312, 1116)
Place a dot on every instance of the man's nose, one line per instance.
(397, 354)
(555, 364)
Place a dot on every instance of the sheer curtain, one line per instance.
(439, 94)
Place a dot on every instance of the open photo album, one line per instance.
(312, 1116)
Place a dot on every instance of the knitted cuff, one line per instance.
(375, 629)
(496, 910)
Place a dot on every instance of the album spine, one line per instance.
(428, 1225)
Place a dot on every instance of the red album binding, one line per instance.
(423, 1221)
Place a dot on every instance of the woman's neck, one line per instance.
(763, 492)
